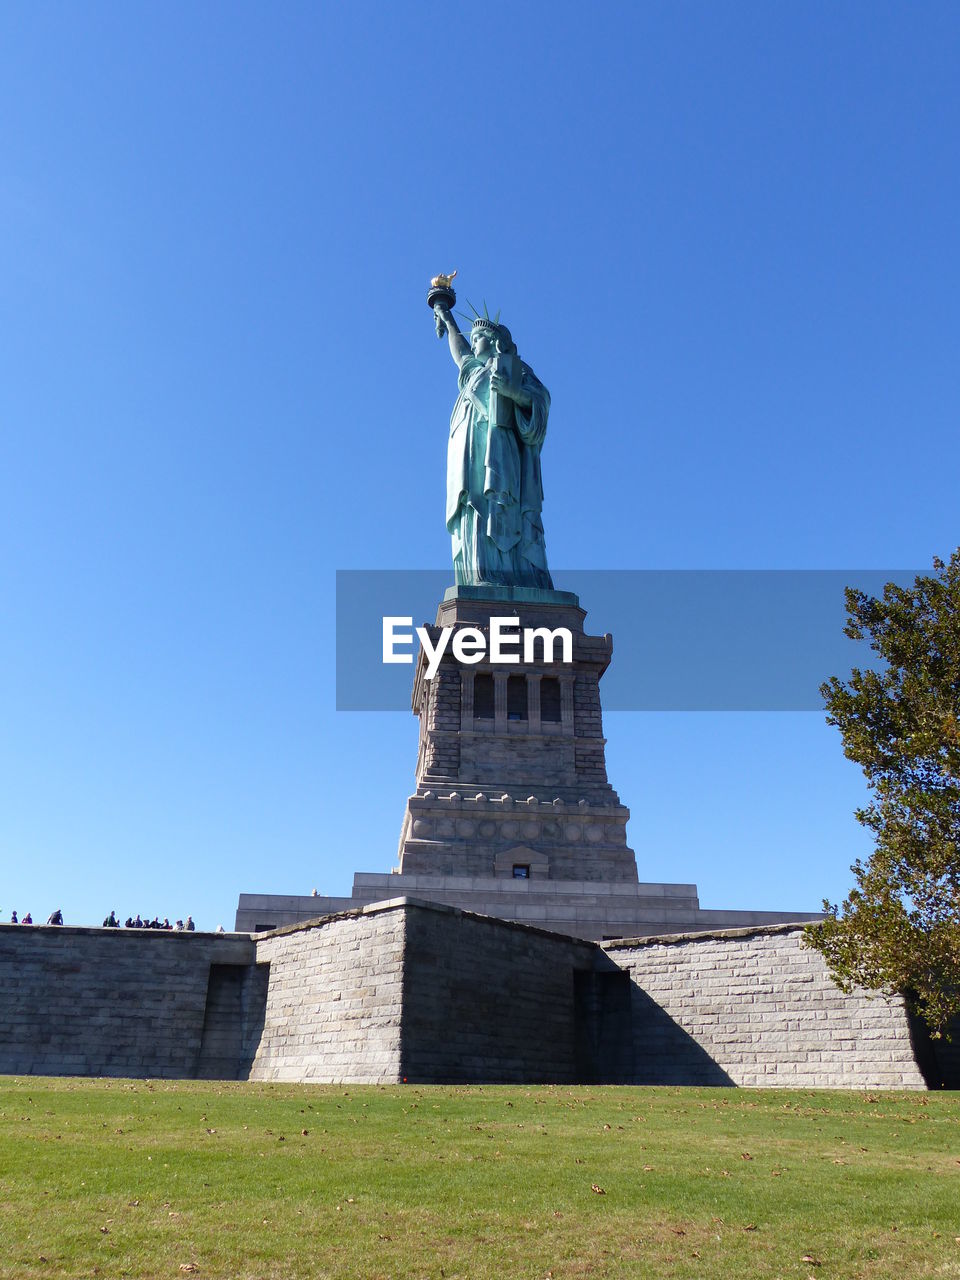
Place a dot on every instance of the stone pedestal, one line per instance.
(511, 775)
(513, 815)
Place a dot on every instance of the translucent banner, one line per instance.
(684, 640)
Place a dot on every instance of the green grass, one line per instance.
(139, 1178)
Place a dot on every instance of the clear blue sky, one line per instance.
(724, 235)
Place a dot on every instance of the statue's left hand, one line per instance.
(503, 388)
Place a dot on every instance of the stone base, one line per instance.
(511, 769)
(410, 991)
(587, 909)
(448, 833)
(514, 595)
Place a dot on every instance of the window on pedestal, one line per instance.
(483, 697)
(521, 871)
(517, 698)
(550, 700)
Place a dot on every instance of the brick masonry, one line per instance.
(592, 909)
(513, 814)
(488, 1002)
(490, 779)
(758, 1008)
(113, 1002)
(430, 993)
(334, 999)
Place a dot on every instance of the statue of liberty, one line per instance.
(497, 428)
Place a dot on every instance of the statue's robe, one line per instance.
(494, 488)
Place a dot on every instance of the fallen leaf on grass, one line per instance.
(751, 1226)
(189, 1266)
(599, 1190)
(745, 1155)
(814, 1262)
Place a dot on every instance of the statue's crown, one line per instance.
(485, 322)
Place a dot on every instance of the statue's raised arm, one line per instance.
(497, 429)
(442, 297)
(459, 347)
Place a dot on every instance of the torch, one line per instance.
(441, 291)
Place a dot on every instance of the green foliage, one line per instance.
(899, 928)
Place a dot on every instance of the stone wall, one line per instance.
(496, 774)
(416, 991)
(116, 1002)
(755, 1007)
(430, 993)
(334, 999)
(591, 909)
(488, 1001)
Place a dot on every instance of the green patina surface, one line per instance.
(497, 430)
(514, 595)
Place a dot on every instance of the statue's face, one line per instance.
(482, 342)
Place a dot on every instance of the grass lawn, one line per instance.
(155, 1178)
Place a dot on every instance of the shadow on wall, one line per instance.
(232, 1020)
(608, 1005)
(938, 1060)
(603, 1022)
(665, 1053)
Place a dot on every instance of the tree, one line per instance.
(898, 930)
